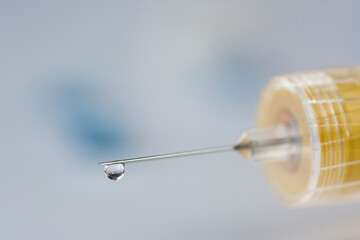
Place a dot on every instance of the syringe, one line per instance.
(307, 137)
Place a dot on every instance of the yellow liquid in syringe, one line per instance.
(325, 106)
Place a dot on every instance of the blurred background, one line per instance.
(90, 81)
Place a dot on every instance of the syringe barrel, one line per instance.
(324, 108)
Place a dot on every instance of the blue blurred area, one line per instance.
(82, 116)
(236, 74)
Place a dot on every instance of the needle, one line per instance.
(237, 147)
(172, 155)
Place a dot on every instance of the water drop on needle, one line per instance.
(114, 171)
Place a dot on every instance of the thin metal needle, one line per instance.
(172, 155)
(237, 147)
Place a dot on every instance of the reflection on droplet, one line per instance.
(114, 171)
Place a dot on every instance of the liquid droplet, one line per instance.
(114, 171)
